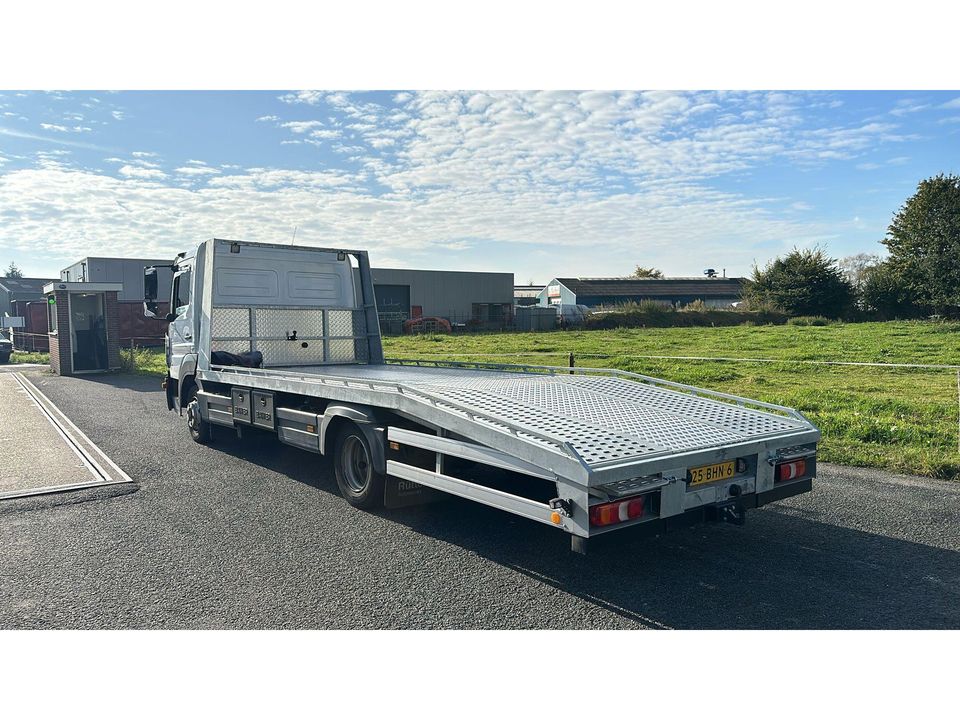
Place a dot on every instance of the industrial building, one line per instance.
(23, 297)
(525, 295)
(20, 289)
(476, 300)
(593, 292)
(480, 300)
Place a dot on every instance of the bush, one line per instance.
(885, 294)
(804, 282)
(659, 316)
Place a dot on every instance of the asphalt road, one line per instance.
(253, 534)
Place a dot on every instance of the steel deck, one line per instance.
(601, 417)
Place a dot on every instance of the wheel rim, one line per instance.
(355, 464)
(193, 421)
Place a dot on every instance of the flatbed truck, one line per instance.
(286, 339)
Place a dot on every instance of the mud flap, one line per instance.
(399, 493)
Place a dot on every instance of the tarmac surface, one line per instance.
(252, 534)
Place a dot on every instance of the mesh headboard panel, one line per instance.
(292, 335)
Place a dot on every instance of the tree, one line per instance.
(884, 293)
(647, 272)
(803, 282)
(855, 267)
(924, 244)
(13, 271)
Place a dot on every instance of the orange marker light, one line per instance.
(555, 518)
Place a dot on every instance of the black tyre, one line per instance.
(359, 482)
(4, 358)
(198, 427)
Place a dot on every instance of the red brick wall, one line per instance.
(60, 349)
(134, 324)
(113, 329)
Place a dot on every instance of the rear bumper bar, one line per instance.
(702, 514)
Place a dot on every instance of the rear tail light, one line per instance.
(618, 512)
(791, 470)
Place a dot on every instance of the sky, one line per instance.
(541, 184)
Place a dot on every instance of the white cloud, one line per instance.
(309, 97)
(952, 104)
(267, 118)
(64, 128)
(302, 126)
(592, 178)
(119, 115)
(143, 154)
(142, 173)
(196, 171)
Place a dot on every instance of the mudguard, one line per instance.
(365, 419)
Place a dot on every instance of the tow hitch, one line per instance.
(731, 511)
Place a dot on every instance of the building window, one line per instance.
(52, 317)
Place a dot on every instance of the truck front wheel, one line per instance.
(359, 482)
(199, 428)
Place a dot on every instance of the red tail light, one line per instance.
(791, 470)
(618, 512)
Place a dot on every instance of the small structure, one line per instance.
(83, 327)
(536, 318)
(129, 273)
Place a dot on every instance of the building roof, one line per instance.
(24, 285)
(650, 287)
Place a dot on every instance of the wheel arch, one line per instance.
(340, 415)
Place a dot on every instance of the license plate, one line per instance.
(710, 473)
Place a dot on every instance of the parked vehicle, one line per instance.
(569, 315)
(282, 339)
(6, 350)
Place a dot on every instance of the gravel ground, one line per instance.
(253, 534)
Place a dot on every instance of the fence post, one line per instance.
(572, 373)
(958, 410)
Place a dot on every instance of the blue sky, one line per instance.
(537, 183)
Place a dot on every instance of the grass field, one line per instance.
(901, 419)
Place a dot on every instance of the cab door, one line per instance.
(180, 339)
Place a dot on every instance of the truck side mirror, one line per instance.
(149, 284)
(150, 307)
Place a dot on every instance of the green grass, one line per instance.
(900, 419)
(30, 357)
(143, 361)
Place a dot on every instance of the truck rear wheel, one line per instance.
(199, 428)
(359, 482)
